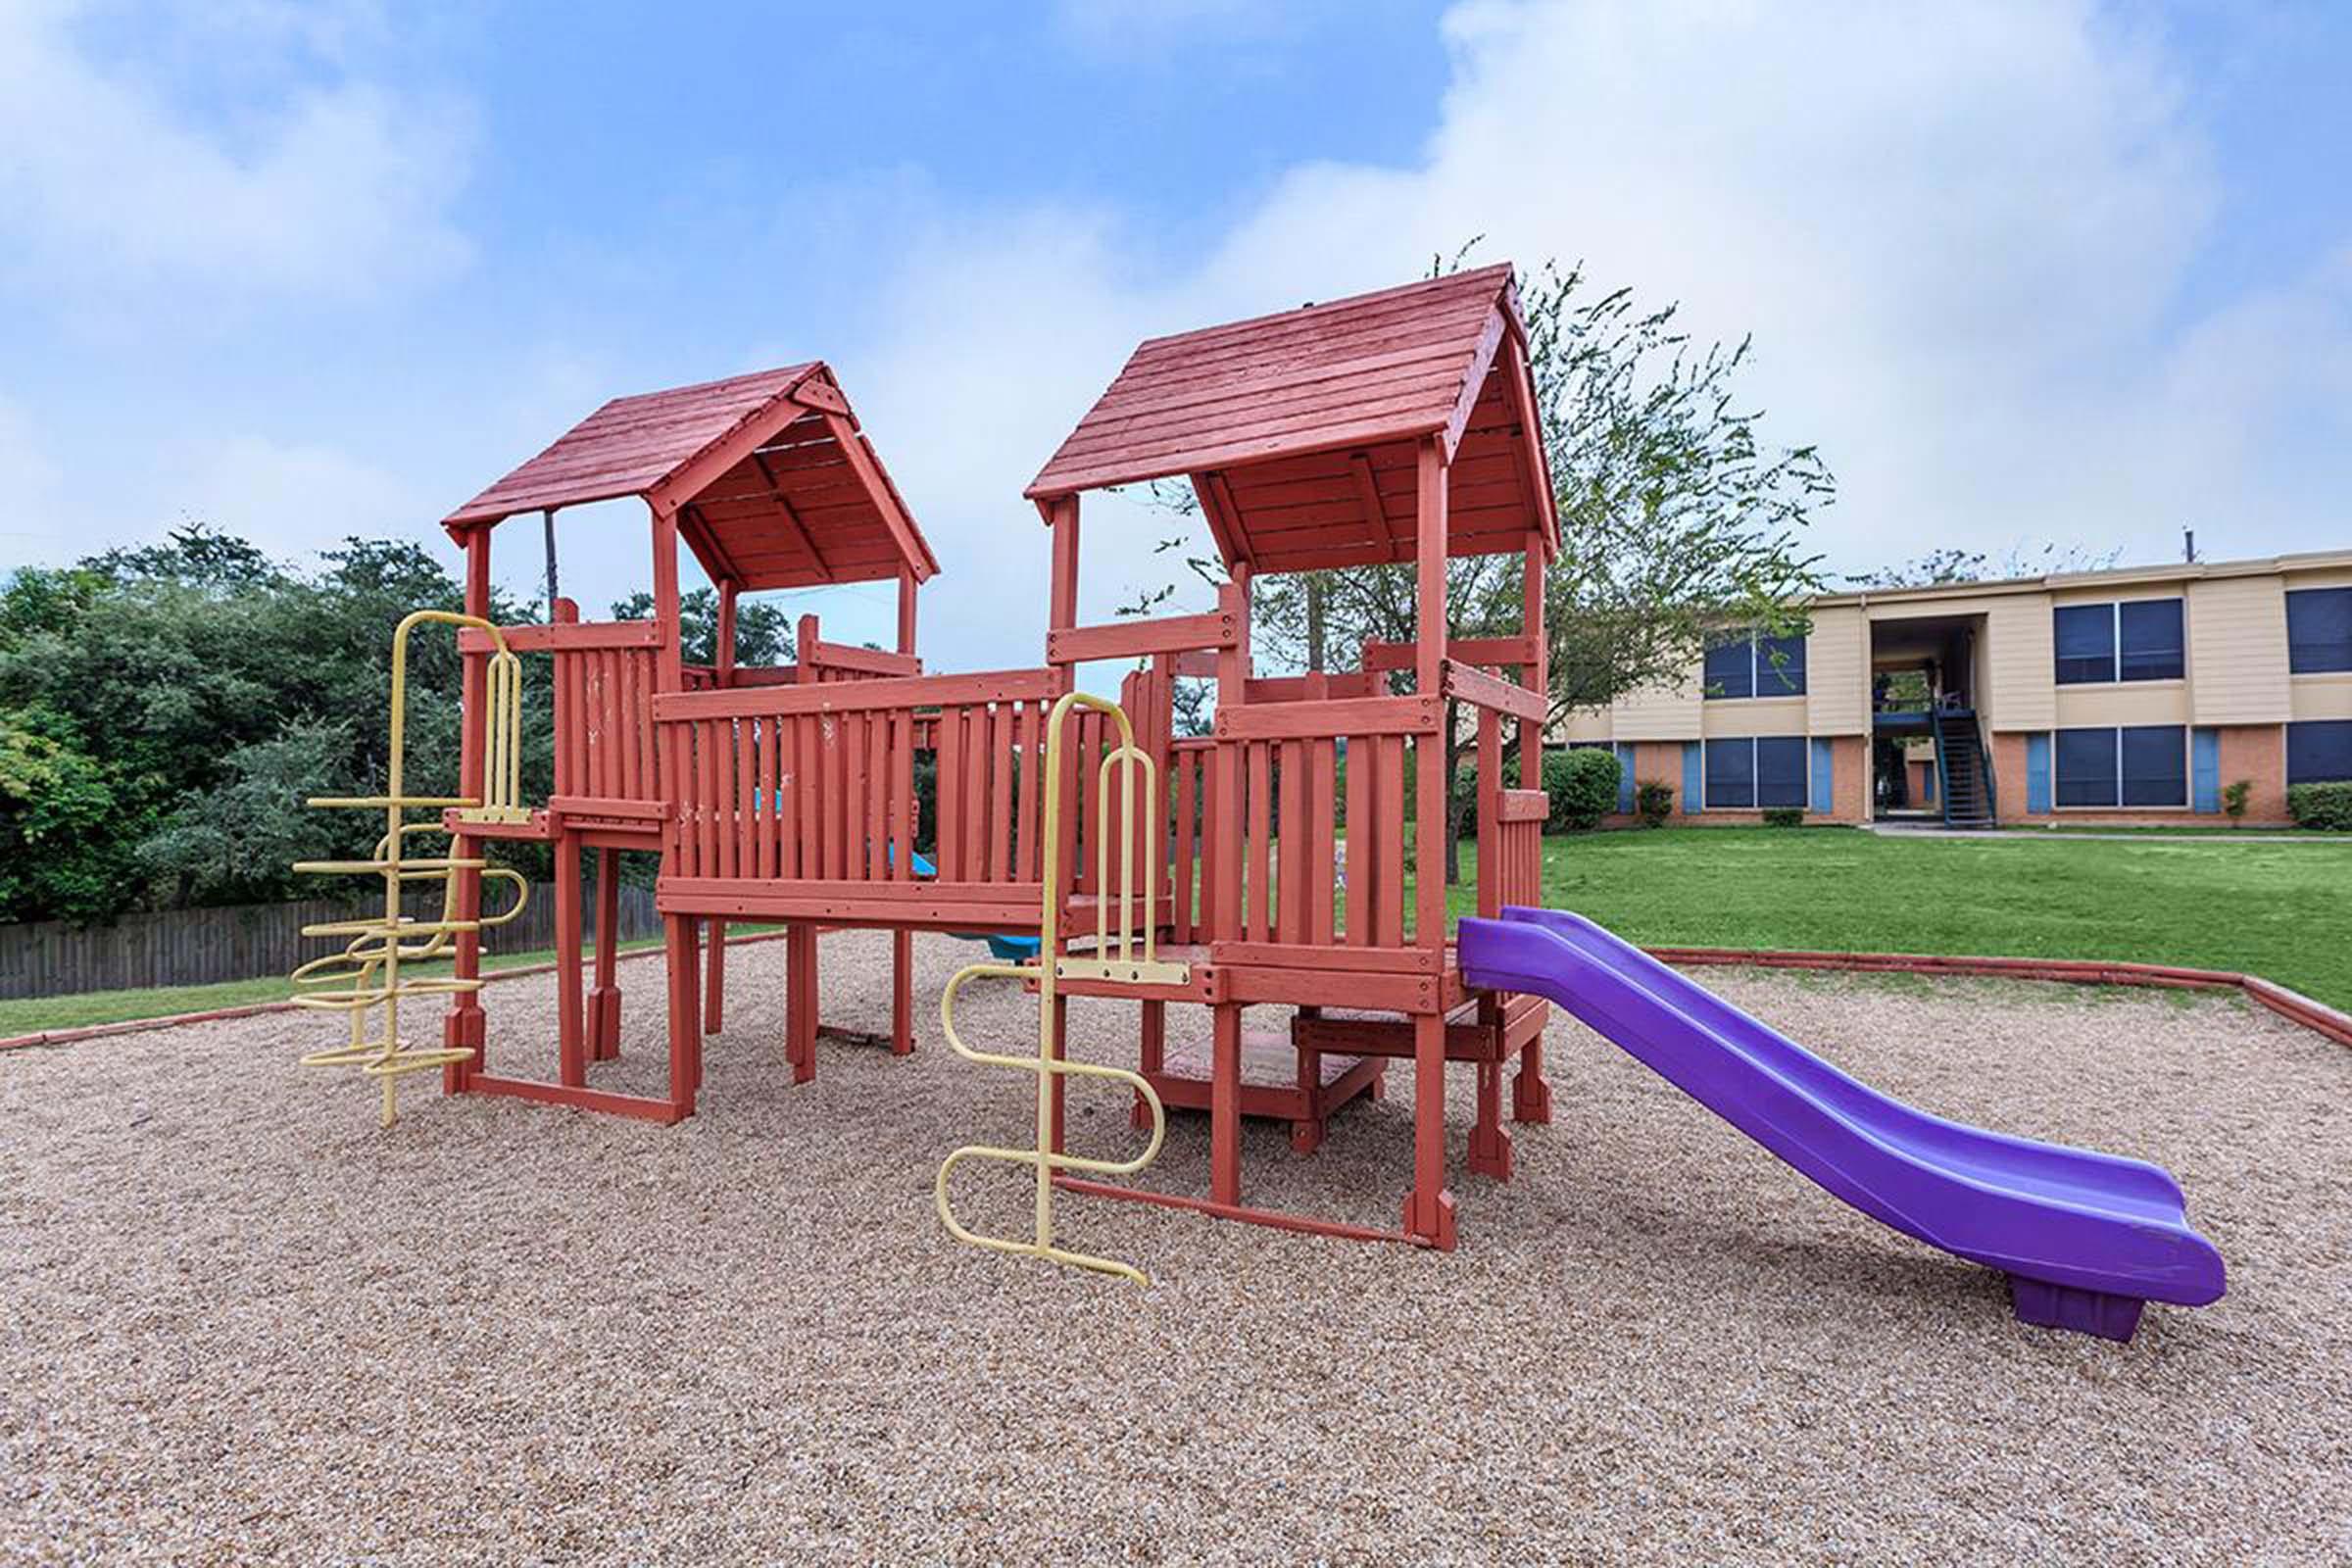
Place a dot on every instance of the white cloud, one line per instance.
(36, 525)
(1959, 235)
(289, 499)
(122, 204)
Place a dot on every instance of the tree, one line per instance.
(164, 710)
(1950, 564)
(1678, 519)
(762, 633)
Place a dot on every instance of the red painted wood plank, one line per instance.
(1260, 922)
(1131, 639)
(1387, 809)
(1358, 715)
(1322, 787)
(914, 690)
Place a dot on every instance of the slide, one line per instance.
(2086, 1240)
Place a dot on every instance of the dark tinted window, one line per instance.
(2319, 630)
(2319, 751)
(1731, 774)
(2086, 639)
(1731, 670)
(1781, 770)
(2149, 630)
(2155, 764)
(1780, 666)
(2084, 761)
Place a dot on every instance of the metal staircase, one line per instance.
(1963, 774)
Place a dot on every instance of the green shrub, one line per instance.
(1587, 791)
(2322, 807)
(1653, 802)
(1570, 800)
(2233, 800)
(1783, 816)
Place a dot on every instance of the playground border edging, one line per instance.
(2293, 1005)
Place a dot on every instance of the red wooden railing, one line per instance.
(1281, 872)
(1191, 793)
(809, 790)
(1511, 829)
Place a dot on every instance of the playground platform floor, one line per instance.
(237, 1322)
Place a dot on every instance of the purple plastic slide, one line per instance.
(2086, 1240)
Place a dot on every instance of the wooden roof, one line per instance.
(773, 483)
(1299, 430)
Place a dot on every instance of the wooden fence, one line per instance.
(246, 942)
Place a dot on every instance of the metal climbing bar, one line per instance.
(366, 980)
(1123, 955)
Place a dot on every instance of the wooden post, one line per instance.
(670, 676)
(604, 1002)
(901, 943)
(1429, 1207)
(685, 1022)
(1062, 603)
(1428, 666)
(722, 638)
(723, 670)
(571, 1037)
(902, 993)
(1221, 835)
(1154, 1056)
(714, 974)
(463, 1029)
(1225, 1106)
(799, 1001)
(1530, 1095)
(907, 592)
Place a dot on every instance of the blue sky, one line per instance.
(2041, 271)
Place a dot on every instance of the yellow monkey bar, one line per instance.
(1124, 953)
(364, 980)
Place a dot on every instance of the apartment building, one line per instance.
(2136, 695)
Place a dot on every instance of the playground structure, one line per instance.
(1396, 428)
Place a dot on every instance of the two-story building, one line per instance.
(2134, 695)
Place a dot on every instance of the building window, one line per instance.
(2140, 639)
(2148, 634)
(1756, 666)
(2319, 751)
(2319, 630)
(2087, 767)
(2137, 765)
(1753, 771)
(2155, 764)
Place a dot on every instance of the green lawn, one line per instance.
(2282, 910)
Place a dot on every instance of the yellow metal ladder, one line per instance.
(366, 980)
(1126, 954)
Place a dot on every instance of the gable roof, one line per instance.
(1332, 397)
(773, 483)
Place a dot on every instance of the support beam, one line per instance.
(1429, 672)
(907, 585)
(793, 525)
(463, 1026)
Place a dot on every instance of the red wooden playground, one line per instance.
(1291, 858)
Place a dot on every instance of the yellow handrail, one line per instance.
(364, 979)
(1048, 1067)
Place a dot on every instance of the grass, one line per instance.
(29, 1015)
(2280, 911)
